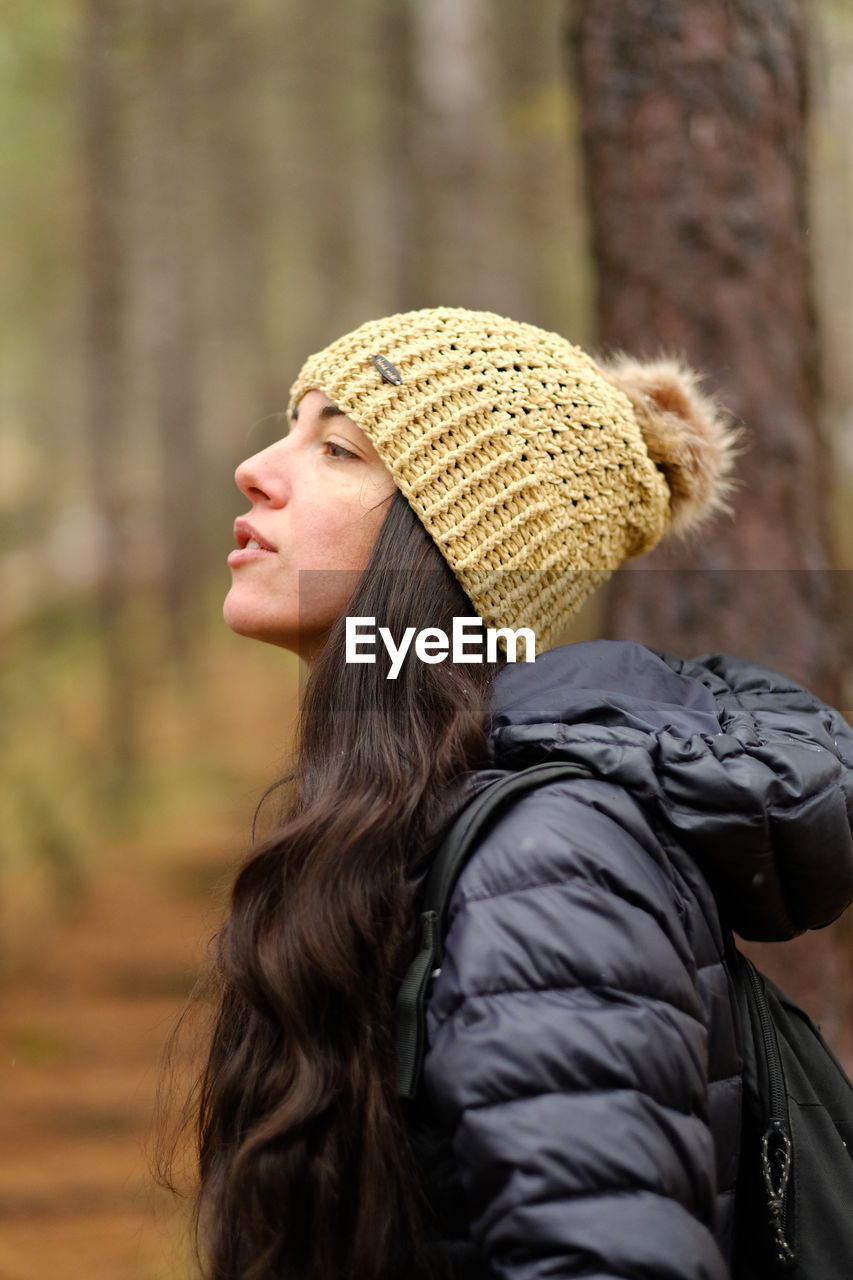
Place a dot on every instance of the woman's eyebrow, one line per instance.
(327, 411)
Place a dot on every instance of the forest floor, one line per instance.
(84, 1031)
(108, 901)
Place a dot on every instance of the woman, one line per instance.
(579, 1111)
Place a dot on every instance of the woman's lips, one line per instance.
(243, 554)
(250, 544)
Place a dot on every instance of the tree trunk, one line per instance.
(232, 174)
(102, 253)
(693, 118)
(694, 132)
(171, 337)
(542, 249)
(462, 195)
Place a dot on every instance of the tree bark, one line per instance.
(694, 132)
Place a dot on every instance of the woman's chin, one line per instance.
(236, 616)
(246, 622)
(255, 625)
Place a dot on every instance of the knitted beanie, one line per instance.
(535, 470)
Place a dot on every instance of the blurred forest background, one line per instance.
(196, 194)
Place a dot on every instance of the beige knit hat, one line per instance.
(535, 470)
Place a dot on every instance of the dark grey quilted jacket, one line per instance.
(581, 1098)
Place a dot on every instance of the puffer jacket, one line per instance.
(579, 1113)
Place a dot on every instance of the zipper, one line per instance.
(408, 1011)
(776, 1142)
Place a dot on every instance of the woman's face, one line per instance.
(318, 497)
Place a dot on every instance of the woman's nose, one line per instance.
(262, 478)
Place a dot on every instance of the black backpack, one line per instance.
(794, 1199)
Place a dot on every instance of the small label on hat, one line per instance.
(386, 368)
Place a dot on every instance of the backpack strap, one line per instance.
(432, 921)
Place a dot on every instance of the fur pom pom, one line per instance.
(689, 436)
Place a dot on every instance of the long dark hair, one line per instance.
(305, 1169)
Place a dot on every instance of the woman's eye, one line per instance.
(338, 450)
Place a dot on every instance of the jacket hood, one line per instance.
(752, 772)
